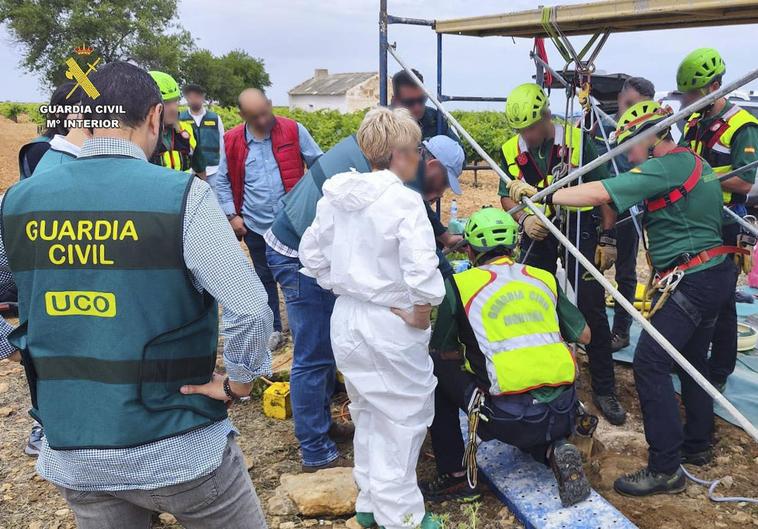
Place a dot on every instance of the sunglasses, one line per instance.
(412, 102)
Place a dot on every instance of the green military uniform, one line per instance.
(698, 215)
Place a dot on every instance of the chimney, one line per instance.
(320, 73)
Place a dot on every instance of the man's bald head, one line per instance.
(256, 109)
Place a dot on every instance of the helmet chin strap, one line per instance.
(651, 149)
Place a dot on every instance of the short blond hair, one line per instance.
(384, 130)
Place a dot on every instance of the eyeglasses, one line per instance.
(412, 102)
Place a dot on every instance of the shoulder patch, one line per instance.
(635, 170)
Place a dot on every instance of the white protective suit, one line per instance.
(371, 243)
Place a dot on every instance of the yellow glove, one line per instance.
(418, 317)
(533, 227)
(518, 189)
(605, 252)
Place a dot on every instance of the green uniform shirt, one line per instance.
(447, 335)
(542, 153)
(690, 225)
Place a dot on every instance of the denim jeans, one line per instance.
(309, 310)
(257, 247)
(687, 320)
(590, 294)
(627, 244)
(224, 498)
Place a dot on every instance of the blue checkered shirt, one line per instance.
(214, 258)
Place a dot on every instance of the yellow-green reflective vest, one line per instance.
(714, 144)
(512, 310)
(175, 150)
(521, 165)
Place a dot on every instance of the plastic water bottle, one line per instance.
(453, 210)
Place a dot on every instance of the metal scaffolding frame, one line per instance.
(385, 49)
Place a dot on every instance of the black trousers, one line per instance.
(590, 294)
(627, 245)
(527, 426)
(724, 347)
(687, 320)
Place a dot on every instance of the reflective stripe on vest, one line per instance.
(512, 310)
(111, 325)
(178, 154)
(522, 165)
(714, 144)
(208, 134)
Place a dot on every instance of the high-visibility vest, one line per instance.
(209, 136)
(175, 149)
(522, 165)
(512, 309)
(110, 325)
(714, 143)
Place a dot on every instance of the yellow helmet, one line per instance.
(526, 105)
(639, 117)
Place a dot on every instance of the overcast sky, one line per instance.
(296, 36)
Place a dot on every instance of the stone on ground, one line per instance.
(328, 492)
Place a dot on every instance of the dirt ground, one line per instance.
(26, 501)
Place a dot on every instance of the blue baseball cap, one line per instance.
(449, 153)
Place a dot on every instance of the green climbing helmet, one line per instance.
(698, 69)
(491, 228)
(526, 105)
(167, 85)
(639, 117)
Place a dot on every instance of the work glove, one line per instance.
(533, 227)
(744, 262)
(418, 317)
(605, 252)
(518, 189)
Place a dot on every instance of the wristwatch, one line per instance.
(233, 397)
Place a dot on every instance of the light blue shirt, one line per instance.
(263, 182)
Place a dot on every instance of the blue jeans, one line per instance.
(257, 247)
(309, 310)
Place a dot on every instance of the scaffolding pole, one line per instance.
(744, 423)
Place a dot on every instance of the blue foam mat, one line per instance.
(529, 490)
(742, 386)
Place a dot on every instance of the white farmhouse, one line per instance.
(346, 92)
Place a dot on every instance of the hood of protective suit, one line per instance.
(354, 191)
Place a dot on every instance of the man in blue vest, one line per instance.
(119, 265)
(309, 307)
(208, 125)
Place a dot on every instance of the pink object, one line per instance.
(752, 278)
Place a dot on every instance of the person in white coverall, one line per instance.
(371, 243)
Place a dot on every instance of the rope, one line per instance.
(712, 487)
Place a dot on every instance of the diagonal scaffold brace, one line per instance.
(744, 423)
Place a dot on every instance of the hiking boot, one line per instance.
(566, 463)
(275, 341)
(337, 463)
(647, 483)
(365, 519)
(449, 487)
(619, 341)
(611, 408)
(34, 444)
(698, 459)
(341, 432)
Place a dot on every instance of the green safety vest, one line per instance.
(24, 171)
(209, 137)
(53, 158)
(110, 325)
(512, 310)
(714, 144)
(522, 166)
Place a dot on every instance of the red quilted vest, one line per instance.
(286, 146)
